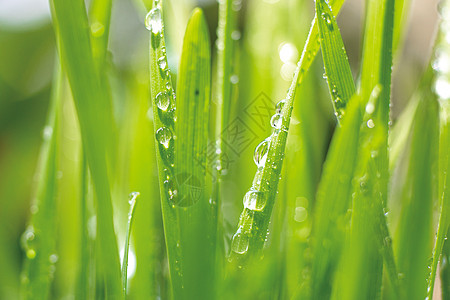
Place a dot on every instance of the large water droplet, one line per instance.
(260, 154)
(153, 21)
(164, 135)
(163, 101)
(240, 242)
(254, 200)
(276, 121)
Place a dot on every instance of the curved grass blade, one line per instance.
(132, 201)
(189, 219)
(414, 231)
(71, 25)
(39, 241)
(335, 60)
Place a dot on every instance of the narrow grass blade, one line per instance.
(361, 261)
(250, 237)
(132, 201)
(333, 201)
(442, 79)
(39, 241)
(312, 44)
(335, 60)
(84, 272)
(90, 99)
(414, 232)
(100, 19)
(189, 222)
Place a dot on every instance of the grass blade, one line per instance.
(132, 201)
(414, 236)
(187, 213)
(335, 60)
(333, 201)
(71, 25)
(39, 241)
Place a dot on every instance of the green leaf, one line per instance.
(190, 224)
(335, 60)
(414, 237)
(133, 197)
(90, 99)
(333, 201)
(39, 239)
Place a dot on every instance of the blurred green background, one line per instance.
(270, 40)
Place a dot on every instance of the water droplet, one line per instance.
(97, 29)
(240, 242)
(254, 200)
(162, 63)
(279, 106)
(53, 258)
(31, 253)
(276, 121)
(301, 214)
(236, 35)
(164, 135)
(327, 18)
(153, 21)
(370, 108)
(370, 123)
(234, 79)
(47, 133)
(163, 101)
(260, 154)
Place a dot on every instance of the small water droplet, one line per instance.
(164, 135)
(254, 200)
(276, 121)
(163, 101)
(260, 154)
(236, 35)
(370, 108)
(327, 18)
(31, 253)
(234, 79)
(240, 242)
(279, 106)
(47, 133)
(301, 214)
(370, 123)
(53, 258)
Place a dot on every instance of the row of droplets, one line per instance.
(165, 102)
(255, 200)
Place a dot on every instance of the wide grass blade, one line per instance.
(414, 236)
(90, 99)
(189, 219)
(38, 241)
(335, 60)
(331, 216)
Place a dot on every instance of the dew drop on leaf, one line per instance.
(254, 200)
(162, 101)
(276, 121)
(163, 136)
(240, 242)
(260, 154)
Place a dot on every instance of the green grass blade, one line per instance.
(189, 221)
(90, 99)
(335, 60)
(414, 232)
(250, 237)
(361, 261)
(333, 201)
(39, 241)
(100, 19)
(312, 44)
(132, 201)
(84, 272)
